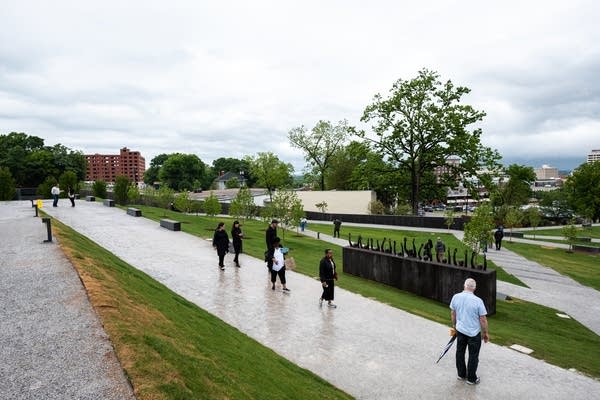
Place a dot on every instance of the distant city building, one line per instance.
(449, 168)
(546, 172)
(593, 156)
(107, 167)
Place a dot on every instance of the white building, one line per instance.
(593, 156)
(546, 172)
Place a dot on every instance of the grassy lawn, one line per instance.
(562, 342)
(593, 232)
(420, 237)
(577, 242)
(172, 349)
(584, 268)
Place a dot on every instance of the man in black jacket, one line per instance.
(221, 243)
(270, 236)
(327, 275)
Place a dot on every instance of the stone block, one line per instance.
(109, 202)
(90, 198)
(170, 224)
(134, 212)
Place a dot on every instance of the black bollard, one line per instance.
(46, 220)
(36, 210)
(318, 235)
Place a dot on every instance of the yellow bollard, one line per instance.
(39, 203)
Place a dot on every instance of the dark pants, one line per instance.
(281, 274)
(237, 248)
(498, 244)
(72, 199)
(336, 232)
(55, 202)
(221, 257)
(463, 341)
(328, 291)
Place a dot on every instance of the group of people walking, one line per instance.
(274, 258)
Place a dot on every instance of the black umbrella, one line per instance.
(446, 348)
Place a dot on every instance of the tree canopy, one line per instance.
(179, 171)
(270, 172)
(319, 145)
(517, 191)
(423, 122)
(583, 189)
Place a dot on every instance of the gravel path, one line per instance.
(369, 349)
(52, 344)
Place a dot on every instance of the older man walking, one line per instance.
(470, 322)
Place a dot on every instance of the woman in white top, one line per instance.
(278, 268)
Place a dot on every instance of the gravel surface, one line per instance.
(52, 344)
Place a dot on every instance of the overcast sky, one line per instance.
(231, 78)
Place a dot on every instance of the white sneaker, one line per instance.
(331, 305)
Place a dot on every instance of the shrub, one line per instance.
(121, 188)
(7, 184)
(99, 189)
(45, 187)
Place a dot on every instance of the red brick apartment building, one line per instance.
(107, 167)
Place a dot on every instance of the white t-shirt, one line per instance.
(55, 190)
(279, 261)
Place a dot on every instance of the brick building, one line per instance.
(107, 167)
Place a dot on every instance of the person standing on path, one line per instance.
(303, 223)
(428, 250)
(498, 235)
(270, 236)
(336, 227)
(440, 250)
(55, 191)
(327, 275)
(470, 322)
(221, 243)
(71, 194)
(278, 264)
(236, 237)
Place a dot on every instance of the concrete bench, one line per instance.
(586, 249)
(586, 225)
(170, 224)
(134, 212)
(90, 198)
(109, 202)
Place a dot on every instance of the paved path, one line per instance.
(545, 286)
(52, 345)
(369, 349)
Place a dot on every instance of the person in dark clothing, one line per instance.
(277, 258)
(440, 250)
(327, 275)
(270, 236)
(427, 250)
(498, 235)
(336, 227)
(71, 194)
(221, 243)
(236, 237)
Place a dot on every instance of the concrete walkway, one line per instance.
(545, 286)
(52, 344)
(369, 349)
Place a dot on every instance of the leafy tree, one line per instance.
(121, 189)
(99, 189)
(555, 204)
(517, 191)
(212, 206)
(421, 124)
(297, 213)
(7, 184)
(534, 218)
(180, 171)
(232, 183)
(68, 180)
(583, 189)
(478, 230)
(44, 188)
(270, 172)
(196, 207)
(151, 174)
(514, 218)
(569, 231)
(449, 217)
(402, 209)
(286, 206)
(243, 204)
(233, 165)
(66, 159)
(164, 197)
(320, 145)
(133, 194)
(183, 202)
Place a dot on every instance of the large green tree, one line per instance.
(517, 190)
(270, 172)
(583, 189)
(151, 174)
(7, 184)
(319, 145)
(421, 123)
(180, 171)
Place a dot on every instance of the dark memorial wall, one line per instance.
(433, 280)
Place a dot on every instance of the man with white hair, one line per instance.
(470, 322)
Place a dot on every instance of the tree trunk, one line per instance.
(414, 193)
(322, 180)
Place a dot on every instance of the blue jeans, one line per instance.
(463, 341)
(55, 202)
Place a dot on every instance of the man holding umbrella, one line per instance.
(469, 319)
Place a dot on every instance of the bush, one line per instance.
(232, 183)
(376, 207)
(45, 187)
(133, 194)
(121, 189)
(67, 180)
(164, 197)
(403, 209)
(212, 206)
(183, 202)
(7, 184)
(99, 189)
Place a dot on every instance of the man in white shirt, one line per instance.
(55, 192)
(470, 322)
